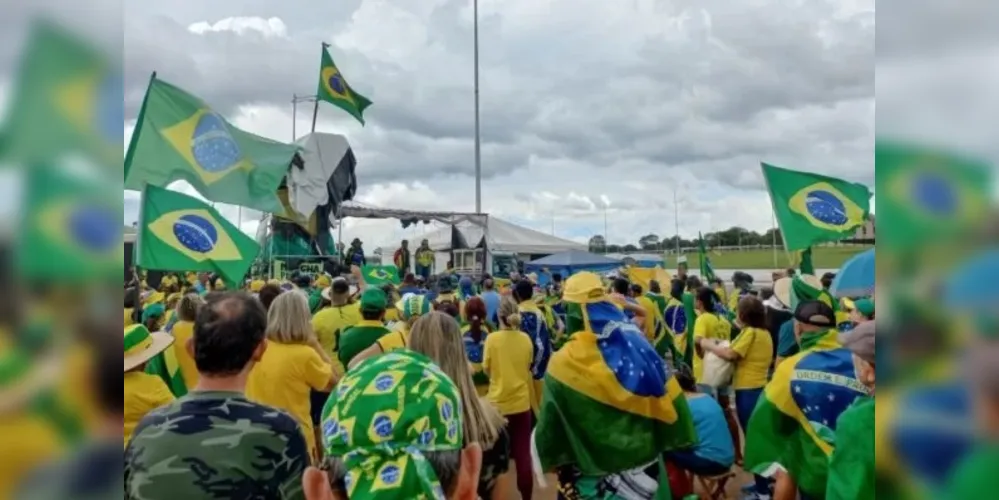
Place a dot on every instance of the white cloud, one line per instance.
(272, 27)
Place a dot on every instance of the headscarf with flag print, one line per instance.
(610, 404)
(388, 412)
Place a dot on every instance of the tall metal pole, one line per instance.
(606, 236)
(315, 110)
(478, 143)
(676, 221)
(294, 117)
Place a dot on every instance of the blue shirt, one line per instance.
(714, 439)
(788, 344)
(492, 299)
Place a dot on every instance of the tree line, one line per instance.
(732, 237)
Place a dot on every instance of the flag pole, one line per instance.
(315, 109)
(137, 250)
(676, 221)
(294, 116)
(773, 215)
(478, 142)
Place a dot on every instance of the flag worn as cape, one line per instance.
(165, 366)
(795, 421)
(609, 403)
(813, 208)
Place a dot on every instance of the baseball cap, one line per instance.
(373, 299)
(860, 341)
(864, 306)
(815, 313)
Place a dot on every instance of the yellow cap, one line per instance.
(256, 285)
(583, 288)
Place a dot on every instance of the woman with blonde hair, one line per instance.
(293, 364)
(438, 336)
(507, 361)
(183, 332)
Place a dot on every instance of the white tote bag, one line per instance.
(717, 371)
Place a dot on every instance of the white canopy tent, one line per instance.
(502, 236)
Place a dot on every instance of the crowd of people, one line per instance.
(321, 387)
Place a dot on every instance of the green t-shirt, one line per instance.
(359, 337)
(851, 468)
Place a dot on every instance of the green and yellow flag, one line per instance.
(380, 275)
(794, 424)
(707, 270)
(181, 233)
(609, 403)
(67, 98)
(70, 229)
(333, 88)
(813, 208)
(165, 366)
(928, 195)
(179, 137)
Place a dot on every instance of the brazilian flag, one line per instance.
(380, 275)
(928, 195)
(333, 88)
(181, 233)
(67, 98)
(813, 208)
(179, 137)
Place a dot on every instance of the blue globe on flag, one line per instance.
(196, 233)
(390, 474)
(933, 193)
(337, 85)
(382, 426)
(825, 207)
(212, 145)
(94, 228)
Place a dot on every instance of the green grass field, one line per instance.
(822, 257)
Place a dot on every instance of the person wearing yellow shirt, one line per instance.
(131, 302)
(143, 392)
(183, 332)
(412, 307)
(293, 365)
(330, 323)
(507, 361)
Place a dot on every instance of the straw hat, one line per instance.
(782, 287)
(329, 295)
(141, 346)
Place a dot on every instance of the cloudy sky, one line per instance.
(589, 107)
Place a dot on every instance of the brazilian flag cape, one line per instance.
(609, 403)
(795, 422)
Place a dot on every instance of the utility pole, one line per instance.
(478, 142)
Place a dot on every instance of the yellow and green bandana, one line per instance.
(413, 306)
(384, 415)
(137, 339)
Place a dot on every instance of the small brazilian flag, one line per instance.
(181, 233)
(179, 137)
(67, 98)
(333, 88)
(380, 275)
(813, 208)
(707, 269)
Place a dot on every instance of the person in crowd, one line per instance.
(851, 467)
(143, 392)
(402, 258)
(466, 288)
(214, 436)
(268, 293)
(792, 291)
(411, 308)
(742, 283)
(492, 300)
(293, 365)
(710, 328)
(409, 285)
(621, 295)
(827, 280)
(714, 453)
(508, 361)
(534, 324)
(183, 331)
(474, 334)
(153, 315)
(392, 297)
(366, 332)
(652, 321)
(862, 311)
(355, 254)
(438, 338)
(424, 260)
(775, 436)
(385, 439)
(131, 302)
(330, 323)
